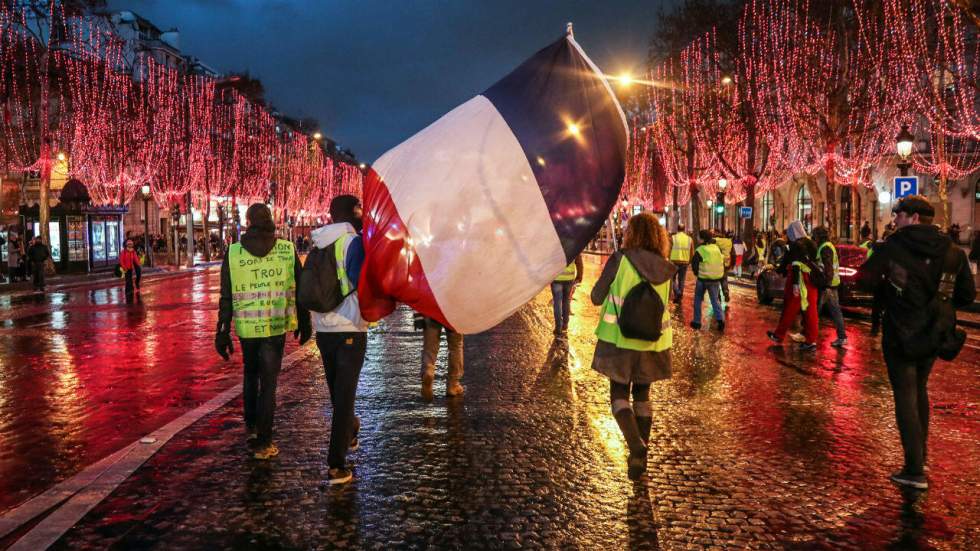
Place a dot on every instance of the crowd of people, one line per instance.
(926, 277)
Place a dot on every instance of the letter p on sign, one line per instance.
(906, 185)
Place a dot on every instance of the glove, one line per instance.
(303, 334)
(222, 343)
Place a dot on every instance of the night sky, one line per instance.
(374, 72)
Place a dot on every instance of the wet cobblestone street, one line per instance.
(752, 446)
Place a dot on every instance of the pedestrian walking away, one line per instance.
(431, 337)
(829, 296)
(341, 332)
(681, 252)
(709, 268)
(259, 290)
(927, 277)
(726, 247)
(15, 253)
(800, 293)
(130, 263)
(738, 251)
(634, 355)
(37, 255)
(562, 289)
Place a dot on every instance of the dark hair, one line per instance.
(342, 208)
(808, 247)
(916, 204)
(705, 236)
(259, 217)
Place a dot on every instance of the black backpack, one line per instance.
(941, 337)
(319, 286)
(818, 277)
(642, 314)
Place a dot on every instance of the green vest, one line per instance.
(608, 329)
(263, 290)
(836, 279)
(712, 265)
(801, 284)
(867, 246)
(568, 274)
(340, 255)
(680, 248)
(760, 254)
(725, 246)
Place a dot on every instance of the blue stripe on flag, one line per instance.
(579, 175)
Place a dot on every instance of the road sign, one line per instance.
(745, 212)
(906, 185)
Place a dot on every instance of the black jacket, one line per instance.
(650, 265)
(827, 261)
(38, 252)
(912, 260)
(258, 244)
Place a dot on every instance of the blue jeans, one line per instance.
(830, 299)
(678, 284)
(713, 289)
(561, 301)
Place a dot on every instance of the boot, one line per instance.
(644, 424)
(637, 462)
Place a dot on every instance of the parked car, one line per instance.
(769, 285)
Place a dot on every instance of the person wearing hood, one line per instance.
(259, 289)
(341, 335)
(914, 260)
(827, 257)
(632, 365)
(708, 266)
(799, 294)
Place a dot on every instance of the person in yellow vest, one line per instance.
(866, 241)
(726, 246)
(259, 278)
(830, 261)
(709, 267)
(561, 294)
(681, 252)
(341, 334)
(632, 365)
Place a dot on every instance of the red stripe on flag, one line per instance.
(392, 271)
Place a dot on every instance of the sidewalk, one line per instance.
(69, 281)
(784, 451)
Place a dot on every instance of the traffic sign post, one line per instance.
(745, 212)
(905, 186)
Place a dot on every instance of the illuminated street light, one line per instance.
(726, 80)
(317, 135)
(573, 129)
(903, 145)
(625, 79)
(884, 197)
(722, 183)
(362, 166)
(61, 156)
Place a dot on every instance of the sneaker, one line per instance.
(427, 380)
(266, 453)
(453, 388)
(695, 325)
(902, 478)
(797, 337)
(339, 476)
(772, 336)
(808, 346)
(839, 343)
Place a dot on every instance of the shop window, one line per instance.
(804, 208)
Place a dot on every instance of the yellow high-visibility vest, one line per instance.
(263, 290)
(680, 248)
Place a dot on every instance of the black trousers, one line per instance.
(129, 278)
(37, 271)
(343, 357)
(263, 360)
(908, 379)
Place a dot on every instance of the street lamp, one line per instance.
(903, 145)
(146, 224)
(317, 136)
(720, 209)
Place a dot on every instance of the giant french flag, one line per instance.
(470, 218)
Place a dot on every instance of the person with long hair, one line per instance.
(631, 364)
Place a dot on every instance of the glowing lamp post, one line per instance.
(720, 207)
(146, 224)
(903, 145)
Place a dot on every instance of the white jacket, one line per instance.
(346, 318)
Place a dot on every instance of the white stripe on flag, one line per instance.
(479, 224)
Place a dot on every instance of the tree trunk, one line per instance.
(676, 207)
(831, 193)
(190, 232)
(695, 203)
(207, 231)
(748, 225)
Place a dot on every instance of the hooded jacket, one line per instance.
(653, 267)
(346, 318)
(257, 243)
(912, 261)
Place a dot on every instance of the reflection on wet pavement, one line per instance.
(752, 446)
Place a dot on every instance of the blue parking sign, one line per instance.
(906, 185)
